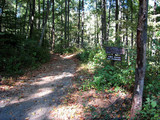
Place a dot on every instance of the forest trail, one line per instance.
(33, 99)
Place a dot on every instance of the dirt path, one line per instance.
(35, 98)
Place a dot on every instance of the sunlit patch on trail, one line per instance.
(71, 112)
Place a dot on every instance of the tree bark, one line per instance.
(108, 25)
(141, 58)
(132, 22)
(39, 11)
(32, 18)
(2, 8)
(53, 30)
(65, 36)
(16, 16)
(104, 21)
(82, 24)
(68, 24)
(79, 20)
(45, 24)
(116, 18)
(97, 22)
(26, 14)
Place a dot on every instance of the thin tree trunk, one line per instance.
(2, 8)
(116, 18)
(62, 36)
(53, 30)
(82, 24)
(68, 24)
(65, 36)
(102, 23)
(97, 23)
(141, 58)
(26, 14)
(39, 11)
(43, 12)
(108, 26)
(30, 8)
(79, 20)
(45, 24)
(104, 20)
(32, 18)
(132, 22)
(16, 16)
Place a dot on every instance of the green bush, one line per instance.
(17, 53)
(150, 109)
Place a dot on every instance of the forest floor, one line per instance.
(53, 92)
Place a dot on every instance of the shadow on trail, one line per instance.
(35, 101)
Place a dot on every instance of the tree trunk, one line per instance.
(32, 18)
(16, 17)
(68, 24)
(62, 32)
(104, 21)
(132, 22)
(116, 18)
(65, 36)
(43, 12)
(79, 20)
(82, 24)
(45, 24)
(39, 11)
(141, 58)
(53, 30)
(26, 14)
(109, 16)
(97, 23)
(2, 8)
(30, 8)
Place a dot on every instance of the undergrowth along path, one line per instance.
(33, 99)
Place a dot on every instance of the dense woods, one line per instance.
(32, 30)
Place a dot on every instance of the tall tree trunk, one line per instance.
(104, 21)
(53, 30)
(116, 18)
(39, 11)
(132, 22)
(79, 20)
(32, 18)
(97, 22)
(65, 36)
(82, 24)
(2, 8)
(43, 12)
(62, 36)
(30, 15)
(141, 57)
(16, 16)
(108, 25)
(25, 18)
(45, 24)
(68, 24)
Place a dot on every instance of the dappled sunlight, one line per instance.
(49, 79)
(68, 56)
(37, 113)
(67, 112)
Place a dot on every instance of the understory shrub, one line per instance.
(18, 53)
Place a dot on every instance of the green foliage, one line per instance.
(106, 75)
(150, 109)
(110, 76)
(17, 53)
